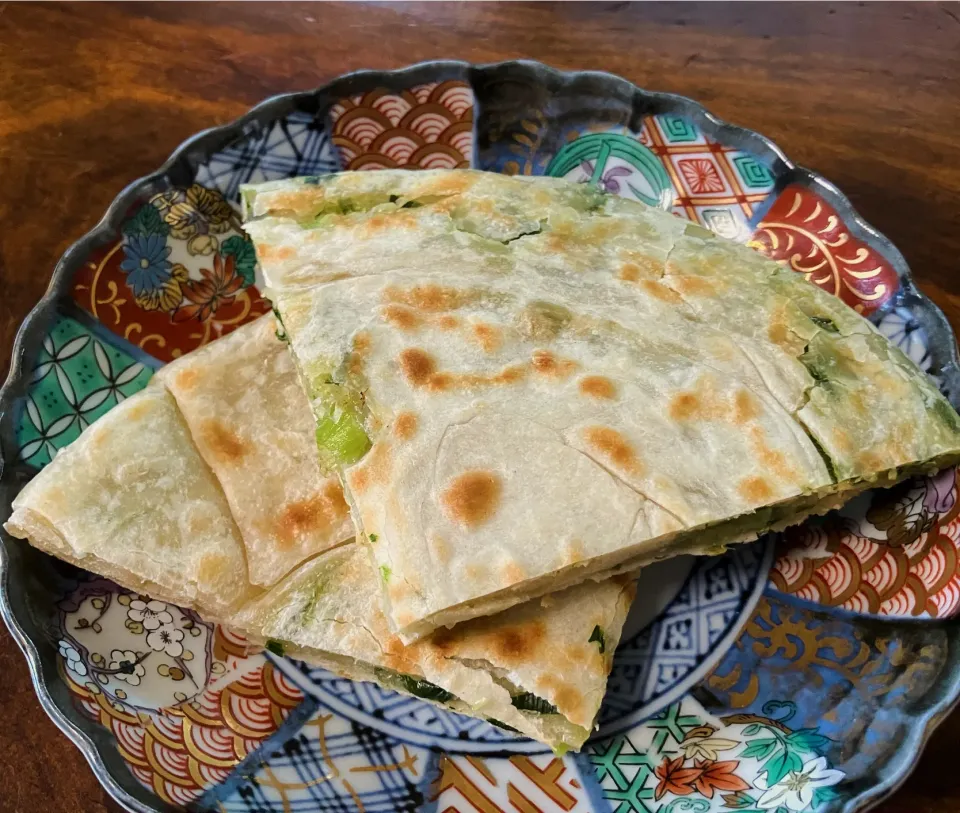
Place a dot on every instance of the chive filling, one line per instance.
(342, 438)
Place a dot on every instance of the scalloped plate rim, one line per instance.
(272, 108)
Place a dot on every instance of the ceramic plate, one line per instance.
(801, 673)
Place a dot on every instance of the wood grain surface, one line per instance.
(94, 95)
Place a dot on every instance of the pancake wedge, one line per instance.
(188, 497)
(525, 383)
(132, 500)
(250, 422)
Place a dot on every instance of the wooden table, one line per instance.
(93, 96)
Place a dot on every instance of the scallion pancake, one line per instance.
(525, 383)
(184, 504)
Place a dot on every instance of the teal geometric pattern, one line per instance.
(752, 174)
(678, 130)
(623, 773)
(77, 378)
(625, 763)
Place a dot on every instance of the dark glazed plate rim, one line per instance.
(180, 166)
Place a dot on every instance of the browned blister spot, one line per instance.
(361, 350)
(399, 657)
(489, 337)
(772, 460)
(398, 591)
(660, 291)
(405, 425)
(598, 386)
(386, 221)
(222, 442)
(755, 490)
(373, 470)
(402, 317)
(315, 515)
(444, 183)
(417, 365)
(637, 266)
(518, 643)
(473, 497)
(684, 406)
(512, 573)
(447, 322)
(871, 461)
(442, 382)
(705, 403)
(580, 656)
(746, 407)
(573, 552)
(440, 548)
(186, 379)
(546, 363)
(611, 445)
(431, 298)
(138, 411)
(476, 573)
(688, 285)
(268, 253)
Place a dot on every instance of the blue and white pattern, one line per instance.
(295, 145)
(668, 656)
(901, 327)
(336, 765)
(652, 667)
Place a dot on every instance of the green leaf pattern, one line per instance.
(76, 378)
(773, 769)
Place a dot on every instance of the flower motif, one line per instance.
(193, 212)
(718, 776)
(166, 639)
(168, 295)
(215, 289)
(74, 661)
(126, 666)
(148, 270)
(795, 790)
(674, 778)
(706, 747)
(608, 181)
(152, 614)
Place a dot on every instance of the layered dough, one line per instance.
(557, 385)
(204, 490)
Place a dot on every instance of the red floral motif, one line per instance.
(674, 778)
(718, 776)
(100, 288)
(217, 288)
(803, 231)
(701, 176)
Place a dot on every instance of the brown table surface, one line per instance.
(95, 95)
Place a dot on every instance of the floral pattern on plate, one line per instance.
(186, 701)
(182, 274)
